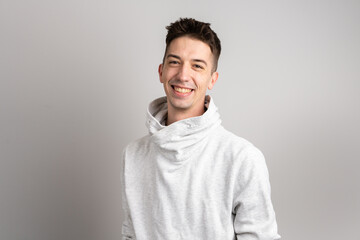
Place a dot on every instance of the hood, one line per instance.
(179, 140)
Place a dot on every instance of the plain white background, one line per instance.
(76, 78)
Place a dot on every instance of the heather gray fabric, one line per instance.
(195, 180)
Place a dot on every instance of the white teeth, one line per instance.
(182, 90)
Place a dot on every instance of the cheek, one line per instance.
(206, 83)
(167, 75)
(163, 77)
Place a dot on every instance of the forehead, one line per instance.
(186, 47)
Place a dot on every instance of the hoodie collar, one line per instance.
(180, 139)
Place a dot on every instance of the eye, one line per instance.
(173, 62)
(198, 66)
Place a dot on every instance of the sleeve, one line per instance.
(254, 213)
(127, 231)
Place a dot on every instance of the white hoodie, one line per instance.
(195, 180)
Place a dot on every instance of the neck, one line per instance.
(175, 115)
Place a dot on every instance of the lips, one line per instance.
(181, 91)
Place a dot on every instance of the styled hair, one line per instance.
(197, 30)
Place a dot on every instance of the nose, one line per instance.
(184, 73)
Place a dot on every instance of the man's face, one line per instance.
(187, 72)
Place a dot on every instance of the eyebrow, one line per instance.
(172, 55)
(177, 57)
(200, 60)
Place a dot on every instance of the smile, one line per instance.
(182, 90)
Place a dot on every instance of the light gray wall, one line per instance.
(76, 77)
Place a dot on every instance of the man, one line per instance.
(189, 178)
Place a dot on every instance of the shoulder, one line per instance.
(234, 143)
(239, 150)
(139, 146)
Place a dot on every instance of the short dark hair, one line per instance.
(197, 30)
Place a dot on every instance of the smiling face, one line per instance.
(187, 72)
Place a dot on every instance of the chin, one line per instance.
(180, 104)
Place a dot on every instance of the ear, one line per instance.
(214, 78)
(160, 70)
